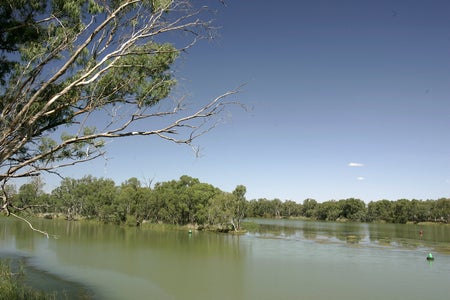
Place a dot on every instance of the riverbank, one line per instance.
(19, 279)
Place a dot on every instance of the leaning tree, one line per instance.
(76, 73)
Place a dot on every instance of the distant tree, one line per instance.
(183, 201)
(30, 192)
(68, 200)
(128, 199)
(380, 211)
(239, 206)
(291, 209)
(228, 208)
(265, 208)
(440, 210)
(400, 211)
(353, 209)
(166, 203)
(88, 197)
(76, 73)
(419, 211)
(220, 210)
(200, 195)
(133, 202)
(277, 207)
(309, 206)
(328, 211)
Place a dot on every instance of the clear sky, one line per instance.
(348, 98)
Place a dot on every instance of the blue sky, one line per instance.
(347, 99)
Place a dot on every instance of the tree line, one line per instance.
(183, 201)
(189, 201)
(355, 210)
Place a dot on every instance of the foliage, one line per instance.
(353, 209)
(237, 206)
(181, 202)
(228, 209)
(187, 201)
(221, 210)
(380, 211)
(309, 205)
(328, 211)
(12, 284)
(290, 209)
(75, 73)
(88, 197)
(251, 226)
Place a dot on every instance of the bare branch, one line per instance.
(31, 225)
(116, 64)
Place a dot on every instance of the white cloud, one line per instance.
(360, 178)
(353, 164)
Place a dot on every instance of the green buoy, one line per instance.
(430, 256)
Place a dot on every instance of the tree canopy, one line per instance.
(180, 202)
(189, 201)
(75, 73)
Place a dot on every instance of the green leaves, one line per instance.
(94, 7)
(66, 65)
(17, 27)
(161, 4)
(76, 146)
(228, 208)
(47, 144)
(142, 72)
(69, 12)
(183, 201)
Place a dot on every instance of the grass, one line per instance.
(250, 226)
(161, 226)
(12, 283)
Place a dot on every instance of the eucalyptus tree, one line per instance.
(262, 208)
(30, 192)
(328, 211)
(183, 201)
(76, 73)
(228, 208)
(220, 210)
(400, 211)
(381, 210)
(133, 202)
(309, 207)
(88, 197)
(291, 209)
(419, 211)
(440, 210)
(239, 206)
(129, 197)
(353, 209)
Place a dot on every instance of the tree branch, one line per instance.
(31, 225)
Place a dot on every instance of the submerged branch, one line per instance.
(30, 225)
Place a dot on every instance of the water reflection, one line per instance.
(132, 263)
(282, 259)
(436, 237)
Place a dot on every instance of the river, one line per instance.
(282, 259)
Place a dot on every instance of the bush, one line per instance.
(131, 221)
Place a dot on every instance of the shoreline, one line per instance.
(47, 282)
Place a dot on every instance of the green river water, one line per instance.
(282, 259)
